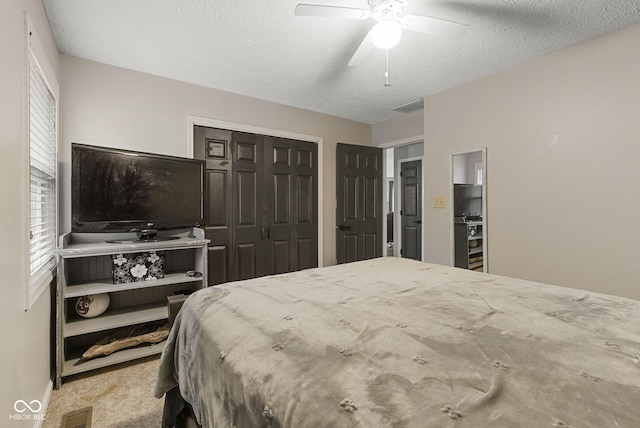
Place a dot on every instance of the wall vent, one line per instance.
(413, 105)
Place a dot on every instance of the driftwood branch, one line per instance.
(126, 339)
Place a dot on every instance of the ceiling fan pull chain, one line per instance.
(386, 71)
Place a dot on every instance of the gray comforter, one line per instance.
(398, 343)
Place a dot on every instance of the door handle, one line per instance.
(418, 221)
(263, 231)
(343, 227)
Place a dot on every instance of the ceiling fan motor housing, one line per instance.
(386, 8)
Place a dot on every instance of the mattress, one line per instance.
(392, 342)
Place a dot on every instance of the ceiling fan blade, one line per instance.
(331, 11)
(363, 51)
(435, 26)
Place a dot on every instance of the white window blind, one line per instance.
(42, 176)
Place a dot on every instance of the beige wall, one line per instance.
(403, 128)
(563, 212)
(110, 106)
(24, 354)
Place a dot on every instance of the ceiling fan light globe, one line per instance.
(386, 34)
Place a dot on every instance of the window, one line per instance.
(478, 172)
(42, 143)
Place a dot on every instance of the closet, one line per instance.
(261, 203)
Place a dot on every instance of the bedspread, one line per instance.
(392, 342)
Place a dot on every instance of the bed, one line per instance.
(393, 342)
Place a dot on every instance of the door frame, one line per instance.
(396, 215)
(485, 229)
(240, 127)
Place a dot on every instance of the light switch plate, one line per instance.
(438, 202)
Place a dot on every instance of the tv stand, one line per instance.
(143, 235)
(142, 240)
(85, 267)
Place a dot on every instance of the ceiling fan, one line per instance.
(390, 22)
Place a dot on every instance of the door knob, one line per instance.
(343, 227)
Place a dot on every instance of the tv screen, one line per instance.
(116, 190)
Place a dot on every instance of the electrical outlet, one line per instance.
(438, 202)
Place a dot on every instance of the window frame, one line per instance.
(35, 54)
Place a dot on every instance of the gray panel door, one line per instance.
(411, 209)
(359, 202)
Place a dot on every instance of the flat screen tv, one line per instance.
(114, 190)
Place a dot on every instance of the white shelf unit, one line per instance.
(85, 267)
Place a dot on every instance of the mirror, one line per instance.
(468, 193)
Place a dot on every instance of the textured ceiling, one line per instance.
(260, 49)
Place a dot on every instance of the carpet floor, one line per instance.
(120, 397)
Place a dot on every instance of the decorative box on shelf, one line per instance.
(136, 267)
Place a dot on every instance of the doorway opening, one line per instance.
(469, 212)
(404, 200)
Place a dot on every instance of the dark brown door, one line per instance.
(248, 205)
(359, 203)
(411, 209)
(214, 146)
(291, 205)
(261, 203)
(305, 205)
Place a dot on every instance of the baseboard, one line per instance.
(45, 403)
